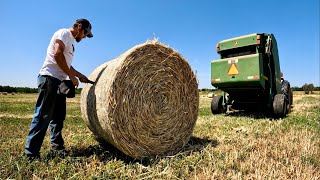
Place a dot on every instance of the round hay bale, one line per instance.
(210, 95)
(145, 102)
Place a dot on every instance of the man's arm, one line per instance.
(81, 77)
(76, 73)
(61, 61)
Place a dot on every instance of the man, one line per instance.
(50, 109)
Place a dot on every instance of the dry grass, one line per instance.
(303, 102)
(234, 146)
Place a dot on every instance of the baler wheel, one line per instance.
(279, 106)
(217, 106)
(286, 90)
(291, 98)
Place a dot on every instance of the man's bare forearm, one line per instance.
(75, 72)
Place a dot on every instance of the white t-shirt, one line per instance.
(50, 66)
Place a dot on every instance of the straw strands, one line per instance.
(144, 102)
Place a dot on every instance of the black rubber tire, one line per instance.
(291, 98)
(286, 90)
(279, 106)
(216, 105)
(289, 102)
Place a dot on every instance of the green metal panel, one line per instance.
(250, 68)
(238, 42)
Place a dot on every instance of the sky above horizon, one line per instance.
(193, 28)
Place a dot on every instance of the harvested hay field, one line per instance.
(145, 102)
(232, 146)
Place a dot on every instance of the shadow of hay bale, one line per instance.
(197, 144)
(104, 151)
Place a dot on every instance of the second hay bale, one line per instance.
(145, 102)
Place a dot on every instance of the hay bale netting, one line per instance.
(145, 102)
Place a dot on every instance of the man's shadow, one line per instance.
(105, 151)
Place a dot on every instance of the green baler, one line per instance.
(248, 72)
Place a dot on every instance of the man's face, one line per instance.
(81, 35)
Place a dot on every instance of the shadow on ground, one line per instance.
(255, 113)
(251, 114)
(106, 152)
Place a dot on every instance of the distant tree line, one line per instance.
(207, 89)
(10, 89)
(307, 88)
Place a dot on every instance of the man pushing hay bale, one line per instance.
(144, 102)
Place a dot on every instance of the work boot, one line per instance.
(32, 157)
(56, 151)
(56, 147)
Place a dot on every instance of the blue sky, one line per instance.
(191, 27)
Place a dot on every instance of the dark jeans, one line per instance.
(50, 110)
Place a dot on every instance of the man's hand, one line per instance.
(84, 79)
(81, 77)
(74, 80)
